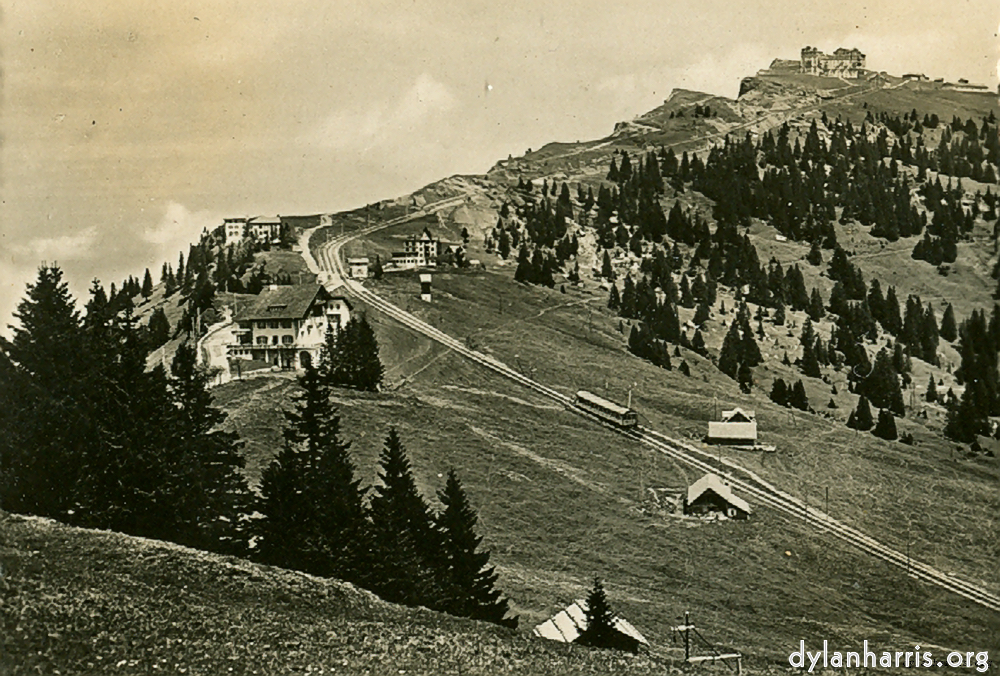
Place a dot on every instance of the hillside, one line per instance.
(559, 498)
(75, 601)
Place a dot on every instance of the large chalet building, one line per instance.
(286, 325)
(419, 251)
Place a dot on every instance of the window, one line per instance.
(273, 324)
(286, 340)
(286, 323)
(274, 340)
(261, 325)
(262, 340)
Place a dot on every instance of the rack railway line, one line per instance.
(751, 484)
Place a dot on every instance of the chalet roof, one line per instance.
(569, 623)
(359, 260)
(712, 482)
(284, 302)
(738, 415)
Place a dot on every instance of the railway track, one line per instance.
(746, 481)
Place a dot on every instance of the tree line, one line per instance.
(91, 437)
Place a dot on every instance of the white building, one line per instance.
(286, 326)
(357, 268)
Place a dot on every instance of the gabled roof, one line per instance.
(712, 482)
(738, 415)
(569, 623)
(284, 302)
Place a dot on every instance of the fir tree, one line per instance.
(147, 285)
(861, 416)
(314, 518)
(377, 271)
(797, 397)
(779, 392)
(885, 428)
(614, 301)
(405, 543)
(607, 271)
(470, 580)
(931, 395)
(949, 331)
(600, 631)
(810, 365)
(208, 493)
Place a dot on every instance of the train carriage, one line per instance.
(608, 410)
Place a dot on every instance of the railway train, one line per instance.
(608, 410)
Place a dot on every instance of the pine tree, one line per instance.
(816, 310)
(208, 495)
(600, 631)
(810, 364)
(377, 271)
(45, 428)
(147, 285)
(158, 329)
(948, 329)
(314, 518)
(881, 387)
(470, 580)
(797, 397)
(404, 543)
(886, 426)
(607, 271)
(931, 395)
(861, 416)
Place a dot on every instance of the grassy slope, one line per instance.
(74, 601)
(561, 500)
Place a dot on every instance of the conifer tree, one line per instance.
(885, 428)
(607, 271)
(405, 544)
(614, 301)
(949, 331)
(147, 285)
(931, 395)
(600, 631)
(810, 364)
(861, 416)
(209, 497)
(43, 402)
(744, 377)
(314, 518)
(729, 353)
(469, 579)
(797, 397)
(779, 392)
(377, 270)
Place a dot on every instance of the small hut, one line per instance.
(569, 623)
(711, 495)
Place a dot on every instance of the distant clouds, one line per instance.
(60, 248)
(382, 122)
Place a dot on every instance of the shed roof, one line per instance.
(569, 623)
(712, 482)
(284, 302)
(732, 430)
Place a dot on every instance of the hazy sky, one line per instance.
(127, 126)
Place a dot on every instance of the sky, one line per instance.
(126, 127)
